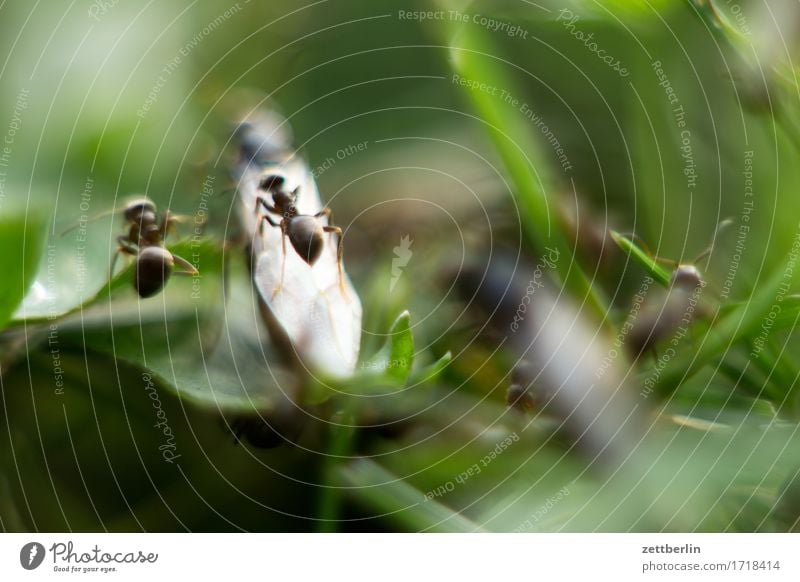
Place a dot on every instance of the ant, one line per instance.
(257, 431)
(662, 316)
(145, 241)
(678, 306)
(267, 430)
(305, 231)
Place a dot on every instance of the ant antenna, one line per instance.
(706, 254)
(264, 184)
(92, 219)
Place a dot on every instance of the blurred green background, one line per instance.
(103, 100)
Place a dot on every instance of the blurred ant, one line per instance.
(145, 241)
(663, 316)
(520, 393)
(305, 231)
(267, 430)
(257, 431)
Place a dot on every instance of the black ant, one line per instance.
(257, 431)
(305, 231)
(145, 241)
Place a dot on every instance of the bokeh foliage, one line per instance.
(438, 164)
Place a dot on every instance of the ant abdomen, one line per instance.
(154, 267)
(307, 238)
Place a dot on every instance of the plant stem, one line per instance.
(342, 435)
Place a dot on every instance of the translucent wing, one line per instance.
(320, 317)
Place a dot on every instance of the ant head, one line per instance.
(271, 183)
(687, 277)
(154, 266)
(136, 209)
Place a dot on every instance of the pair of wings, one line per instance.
(320, 317)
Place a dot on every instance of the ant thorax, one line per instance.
(687, 277)
(285, 209)
(284, 201)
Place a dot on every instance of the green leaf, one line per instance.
(394, 360)
(789, 315)
(376, 487)
(644, 258)
(721, 24)
(741, 323)
(432, 371)
(66, 301)
(21, 238)
(182, 338)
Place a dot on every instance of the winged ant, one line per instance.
(306, 232)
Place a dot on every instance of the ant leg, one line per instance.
(266, 218)
(263, 202)
(261, 217)
(168, 222)
(283, 226)
(339, 251)
(324, 212)
(188, 268)
(125, 246)
(114, 263)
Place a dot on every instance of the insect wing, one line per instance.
(322, 319)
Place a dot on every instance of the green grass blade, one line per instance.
(744, 322)
(511, 133)
(649, 263)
